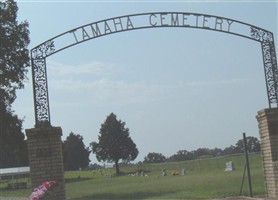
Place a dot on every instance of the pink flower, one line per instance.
(41, 190)
(49, 184)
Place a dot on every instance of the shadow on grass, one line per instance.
(135, 195)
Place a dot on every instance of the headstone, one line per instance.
(229, 166)
(183, 172)
(164, 172)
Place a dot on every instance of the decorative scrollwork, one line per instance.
(41, 93)
(43, 50)
(261, 35)
(270, 62)
(271, 71)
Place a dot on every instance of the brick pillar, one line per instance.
(46, 159)
(268, 127)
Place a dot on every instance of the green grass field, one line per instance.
(205, 179)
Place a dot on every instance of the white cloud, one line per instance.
(123, 92)
(71, 82)
(95, 67)
(104, 90)
(206, 83)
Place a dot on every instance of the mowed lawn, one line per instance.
(204, 179)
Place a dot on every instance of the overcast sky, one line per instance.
(176, 88)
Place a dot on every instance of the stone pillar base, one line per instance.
(46, 159)
(268, 127)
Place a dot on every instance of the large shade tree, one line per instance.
(114, 144)
(14, 55)
(14, 62)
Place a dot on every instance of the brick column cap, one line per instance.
(44, 131)
(267, 112)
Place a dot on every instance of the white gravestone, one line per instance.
(229, 166)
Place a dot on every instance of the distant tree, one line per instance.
(154, 158)
(76, 155)
(202, 152)
(114, 143)
(182, 155)
(253, 145)
(216, 152)
(14, 61)
(230, 150)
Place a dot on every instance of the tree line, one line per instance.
(253, 145)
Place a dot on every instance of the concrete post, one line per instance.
(46, 159)
(268, 127)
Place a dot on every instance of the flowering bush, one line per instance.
(41, 190)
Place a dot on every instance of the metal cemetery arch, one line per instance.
(143, 21)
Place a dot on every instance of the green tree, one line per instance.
(216, 152)
(76, 155)
(182, 155)
(13, 146)
(14, 55)
(253, 145)
(14, 61)
(201, 152)
(114, 143)
(154, 158)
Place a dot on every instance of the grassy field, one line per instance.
(204, 179)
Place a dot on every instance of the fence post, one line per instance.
(247, 165)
